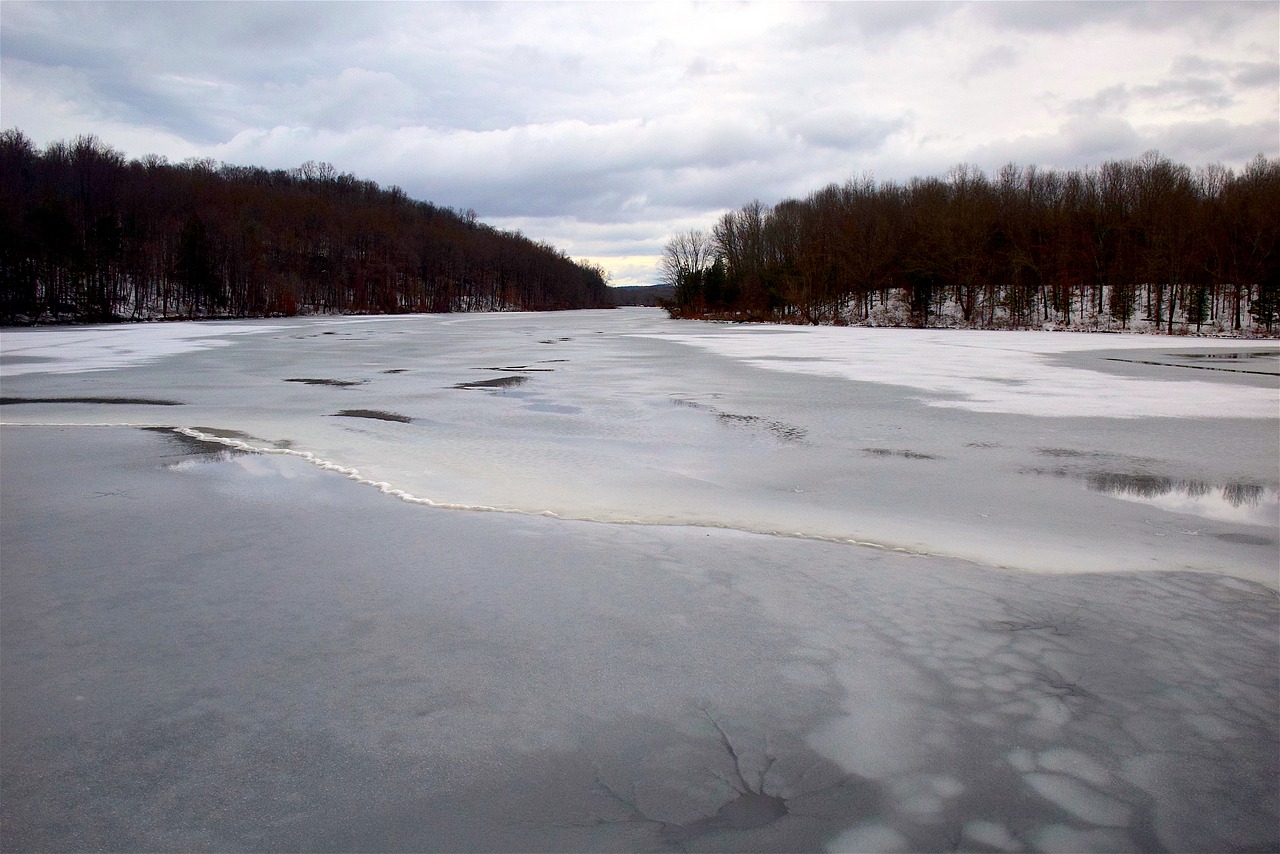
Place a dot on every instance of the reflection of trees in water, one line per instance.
(1143, 485)
(1152, 486)
(1242, 493)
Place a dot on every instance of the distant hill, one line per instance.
(87, 235)
(642, 294)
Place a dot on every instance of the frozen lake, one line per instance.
(1024, 598)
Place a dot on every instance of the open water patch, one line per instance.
(1069, 453)
(1236, 501)
(494, 384)
(1246, 539)
(1249, 503)
(517, 368)
(1256, 354)
(1259, 362)
(324, 381)
(110, 401)
(556, 408)
(779, 430)
(904, 453)
(375, 414)
(195, 448)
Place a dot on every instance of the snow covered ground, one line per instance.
(210, 649)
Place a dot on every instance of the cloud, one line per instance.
(877, 23)
(1256, 75)
(1063, 16)
(992, 59)
(1172, 95)
(603, 128)
(845, 129)
(1093, 140)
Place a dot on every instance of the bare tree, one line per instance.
(685, 258)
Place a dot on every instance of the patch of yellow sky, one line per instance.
(626, 270)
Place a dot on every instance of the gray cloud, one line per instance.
(1256, 75)
(1172, 94)
(1059, 16)
(846, 130)
(992, 59)
(1078, 142)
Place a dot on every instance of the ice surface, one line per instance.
(992, 371)
(219, 635)
(108, 346)
(625, 416)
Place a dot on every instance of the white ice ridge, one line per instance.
(385, 488)
(395, 492)
(991, 371)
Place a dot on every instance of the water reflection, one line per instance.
(1232, 502)
(1259, 354)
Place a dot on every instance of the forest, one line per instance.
(88, 235)
(1134, 243)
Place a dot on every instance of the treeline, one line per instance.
(86, 234)
(647, 295)
(1144, 241)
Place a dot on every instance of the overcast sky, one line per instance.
(603, 128)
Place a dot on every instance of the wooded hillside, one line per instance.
(1144, 241)
(86, 234)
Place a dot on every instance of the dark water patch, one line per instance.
(1238, 501)
(324, 381)
(376, 414)
(112, 401)
(789, 359)
(25, 360)
(551, 361)
(898, 452)
(396, 371)
(1060, 471)
(554, 340)
(553, 407)
(1154, 486)
(495, 383)
(249, 438)
(1243, 493)
(1263, 373)
(1246, 539)
(1068, 452)
(517, 368)
(982, 444)
(1256, 354)
(753, 805)
(207, 450)
(747, 811)
(1141, 485)
(228, 434)
(1146, 485)
(779, 430)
